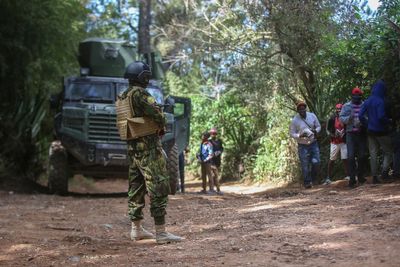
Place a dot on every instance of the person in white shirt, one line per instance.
(304, 129)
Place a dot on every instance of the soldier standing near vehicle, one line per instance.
(218, 148)
(141, 122)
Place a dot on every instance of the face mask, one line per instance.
(356, 99)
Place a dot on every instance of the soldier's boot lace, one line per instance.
(163, 237)
(139, 233)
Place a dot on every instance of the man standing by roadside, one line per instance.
(356, 137)
(335, 130)
(147, 164)
(205, 156)
(378, 126)
(304, 128)
(216, 161)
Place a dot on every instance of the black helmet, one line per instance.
(138, 72)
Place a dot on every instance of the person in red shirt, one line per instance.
(337, 132)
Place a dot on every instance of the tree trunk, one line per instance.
(144, 27)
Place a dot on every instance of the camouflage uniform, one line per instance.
(147, 168)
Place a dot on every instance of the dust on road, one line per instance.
(278, 227)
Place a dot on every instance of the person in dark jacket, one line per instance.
(337, 133)
(218, 148)
(374, 116)
(356, 138)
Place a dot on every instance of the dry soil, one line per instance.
(324, 226)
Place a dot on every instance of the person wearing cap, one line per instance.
(204, 156)
(374, 116)
(304, 128)
(218, 148)
(335, 130)
(356, 137)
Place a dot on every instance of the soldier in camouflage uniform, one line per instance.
(147, 169)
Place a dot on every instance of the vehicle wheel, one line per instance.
(57, 169)
(173, 168)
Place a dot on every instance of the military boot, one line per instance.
(163, 237)
(139, 233)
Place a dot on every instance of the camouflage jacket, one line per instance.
(144, 105)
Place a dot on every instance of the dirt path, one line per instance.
(279, 227)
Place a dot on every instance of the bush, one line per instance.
(276, 157)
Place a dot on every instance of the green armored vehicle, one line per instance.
(87, 141)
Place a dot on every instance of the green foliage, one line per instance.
(238, 125)
(112, 19)
(317, 52)
(38, 40)
(38, 43)
(277, 152)
(23, 144)
(182, 85)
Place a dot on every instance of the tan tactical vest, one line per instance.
(129, 126)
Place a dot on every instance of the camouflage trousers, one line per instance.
(147, 174)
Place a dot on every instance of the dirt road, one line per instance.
(325, 226)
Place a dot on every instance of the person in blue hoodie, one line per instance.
(374, 116)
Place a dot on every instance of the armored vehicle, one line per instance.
(87, 141)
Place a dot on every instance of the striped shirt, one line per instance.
(356, 121)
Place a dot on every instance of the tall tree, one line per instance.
(144, 38)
